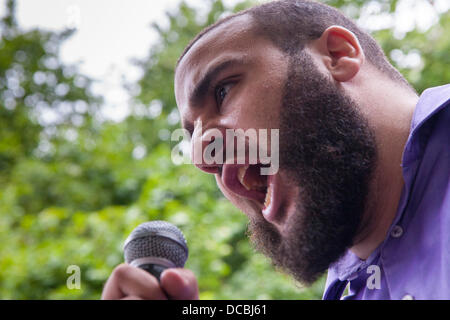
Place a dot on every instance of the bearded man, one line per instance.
(363, 182)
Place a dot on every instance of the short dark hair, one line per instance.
(291, 24)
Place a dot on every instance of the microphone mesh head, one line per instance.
(157, 239)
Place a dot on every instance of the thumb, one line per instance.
(179, 284)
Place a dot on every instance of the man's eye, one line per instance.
(221, 92)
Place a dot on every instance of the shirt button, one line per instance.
(408, 297)
(396, 232)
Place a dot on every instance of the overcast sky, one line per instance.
(111, 32)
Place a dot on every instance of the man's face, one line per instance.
(246, 93)
(307, 214)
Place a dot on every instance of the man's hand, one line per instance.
(131, 283)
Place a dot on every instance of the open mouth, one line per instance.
(247, 181)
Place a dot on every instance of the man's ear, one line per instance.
(341, 52)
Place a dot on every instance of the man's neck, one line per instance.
(392, 126)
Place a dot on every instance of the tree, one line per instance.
(37, 90)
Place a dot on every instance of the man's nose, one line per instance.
(208, 149)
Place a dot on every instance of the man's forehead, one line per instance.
(230, 38)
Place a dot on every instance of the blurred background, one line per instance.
(86, 112)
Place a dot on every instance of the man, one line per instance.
(363, 185)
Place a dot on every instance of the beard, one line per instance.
(328, 153)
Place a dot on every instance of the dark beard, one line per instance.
(328, 151)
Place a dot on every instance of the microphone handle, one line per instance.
(153, 269)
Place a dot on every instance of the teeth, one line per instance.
(268, 197)
(249, 180)
(241, 175)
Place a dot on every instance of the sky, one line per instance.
(109, 33)
(112, 32)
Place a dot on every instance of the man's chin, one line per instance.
(294, 251)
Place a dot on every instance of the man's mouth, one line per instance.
(247, 181)
(251, 179)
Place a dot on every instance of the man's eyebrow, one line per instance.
(202, 87)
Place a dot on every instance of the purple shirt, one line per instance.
(413, 262)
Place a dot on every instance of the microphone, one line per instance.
(156, 246)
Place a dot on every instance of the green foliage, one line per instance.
(433, 47)
(73, 188)
(33, 82)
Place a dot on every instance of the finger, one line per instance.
(131, 298)
(179, 284)
(130, 281)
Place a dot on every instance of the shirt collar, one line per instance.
(430, 102)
